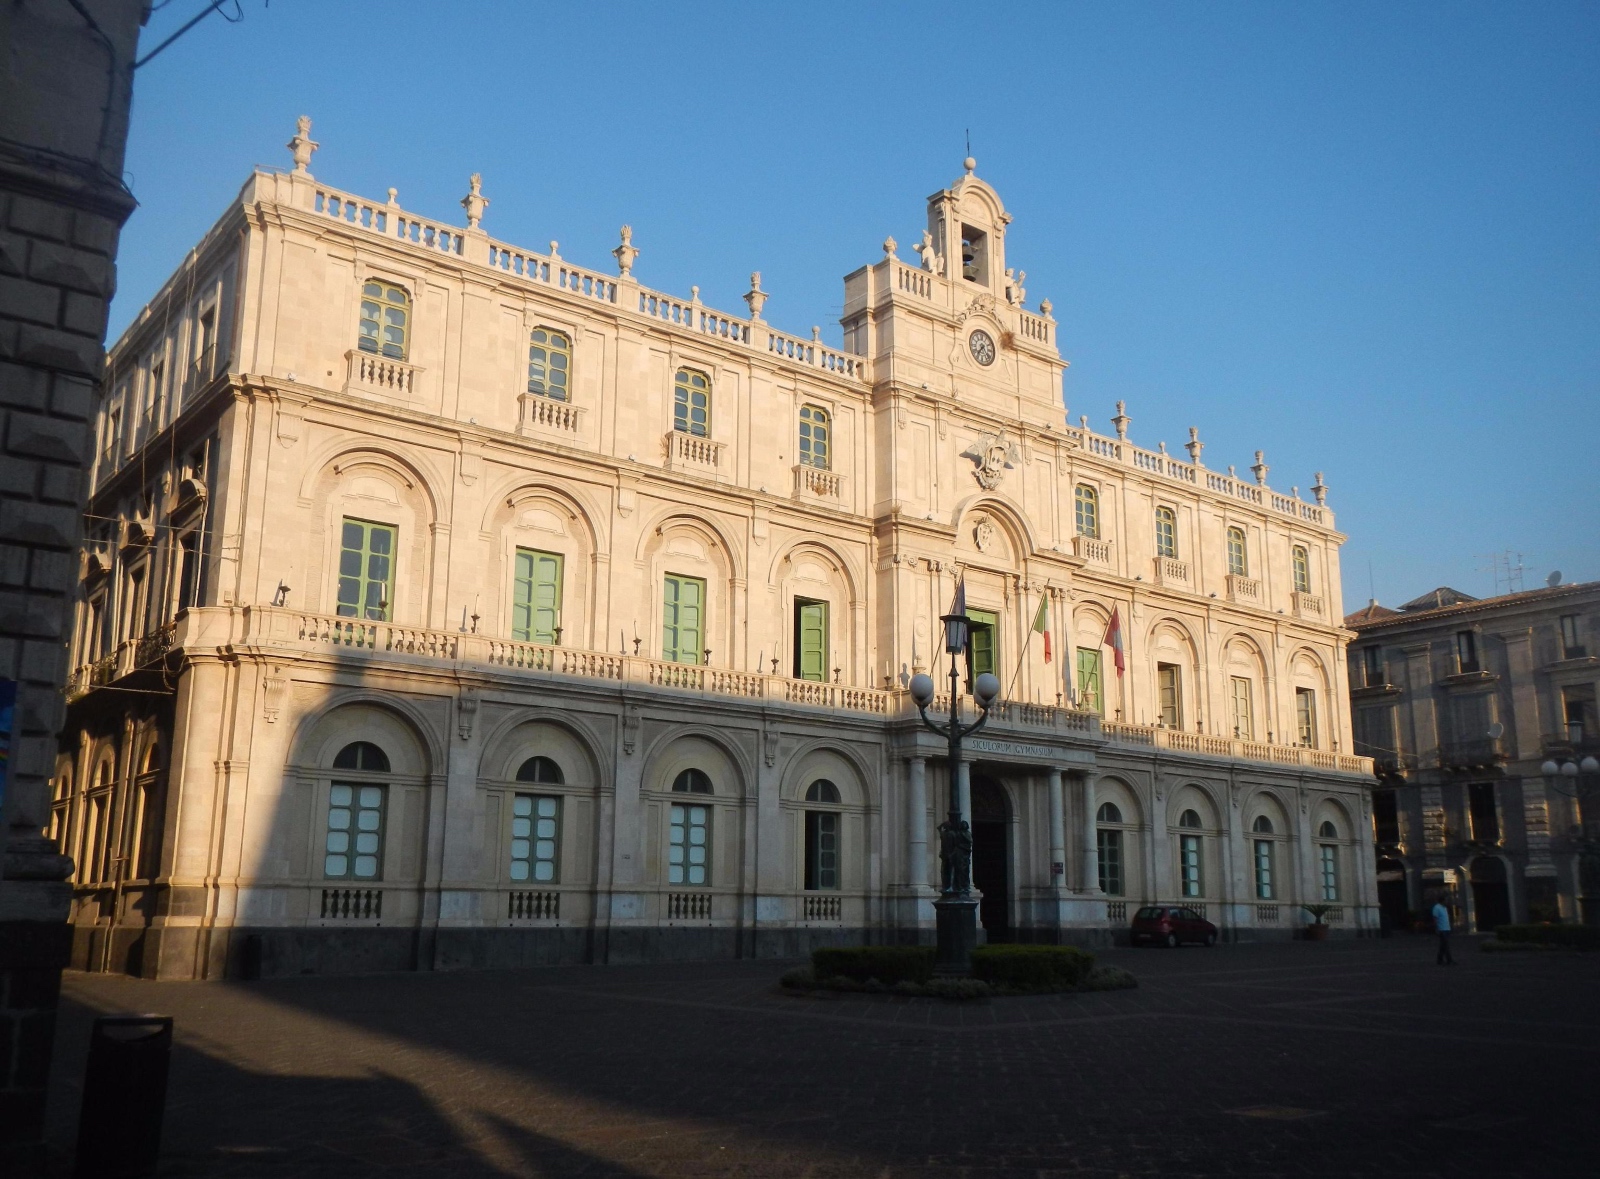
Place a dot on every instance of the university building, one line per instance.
(1480, 718)
(447, 603)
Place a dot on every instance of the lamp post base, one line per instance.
(956, 920)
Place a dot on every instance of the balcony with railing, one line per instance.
(691, 453)
(1472, 753)
(1246, 591)
(817, 482)
(1207, 745)
(1173, 572)
(1092, 548)
(380, 377)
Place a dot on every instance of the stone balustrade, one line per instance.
(1308, 606)
(688, 452)
(380, 377)
(810, 480)
(1171, 571)
(1092, 548)
(1246, 591)
(548, 415)
(1207, 745)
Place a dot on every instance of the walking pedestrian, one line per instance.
(1441, 926)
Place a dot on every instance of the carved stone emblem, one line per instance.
(993, 456)
(983, 534)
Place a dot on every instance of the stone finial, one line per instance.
(694, 294)
(626, 253)
(555, 254)
(474, 202)
(816, 334)
(1294, 493)
(889, 247)
(755, 298)
(1194, 446)
(1120, 422)
(1162, 447)
(1259, 468)
(302, 145)
(1231, 473)
(394, 198)
(1320, 490)
(1083, 421)
(1046, 307)
(970, 164)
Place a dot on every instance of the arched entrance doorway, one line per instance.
(1491, 900)
(991, 856)
(1393, 899)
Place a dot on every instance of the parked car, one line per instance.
(1171, 925)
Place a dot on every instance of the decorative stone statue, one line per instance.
(626, 253)
(302, 145)
(474, 202)
(955, 857)
(1015, 293)
(930, 257)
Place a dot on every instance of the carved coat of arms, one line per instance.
(994, 456)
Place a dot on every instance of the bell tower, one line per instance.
(969, 223)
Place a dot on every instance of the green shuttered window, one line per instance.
(536, 597)
(683, 619)
(811, 640)
(366, 570)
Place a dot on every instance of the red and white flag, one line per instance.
(1041, 623)
(1113, 639)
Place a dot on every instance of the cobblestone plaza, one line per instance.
(1353, 1057)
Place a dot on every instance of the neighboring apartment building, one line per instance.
(448, 603)
(1479, 716)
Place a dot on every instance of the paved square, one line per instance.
(1303, 1058)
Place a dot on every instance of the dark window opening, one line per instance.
(974, 255)
(1483, 812)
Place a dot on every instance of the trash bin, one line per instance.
(124, 1097)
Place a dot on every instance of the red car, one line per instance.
(1171, 925)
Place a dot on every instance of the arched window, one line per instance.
(353, 848)
(1262, 862)
(385, 319)
(1190, 876)
(1328, 865)
(362, 755)
(822, 838)
(1166, 533)
(1262, 824)
(691, 403)
(815, 440)
(692, 782)
(1328, 830)
(540, 769)
(549, 363)
(1108, 851)
(1302, 570)
(1108, 813)
(823, 790)
(1189, 818)
(1086, 502)
(1238, 566)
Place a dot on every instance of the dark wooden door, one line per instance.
(991, 856)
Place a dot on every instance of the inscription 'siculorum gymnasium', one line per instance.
(447, 603)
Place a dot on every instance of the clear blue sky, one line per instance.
(1363, 237)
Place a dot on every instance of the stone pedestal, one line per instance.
(956, 919)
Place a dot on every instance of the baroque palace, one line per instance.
(449, 604)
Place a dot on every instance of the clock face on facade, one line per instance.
(982, 345)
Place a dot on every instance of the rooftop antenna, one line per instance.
(969, 141)
(1372, 586)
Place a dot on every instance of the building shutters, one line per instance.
(811, 640)
(683, 619)
(536, 605)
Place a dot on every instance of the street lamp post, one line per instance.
(1588, 845)
(956, 910)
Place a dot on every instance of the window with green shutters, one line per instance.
(811, 640)
(536, 598)
(366, 570)
(683, 619)
(1086, 505)
(1166, 532)
(691, 403)
(985, 642)
(1089, 690)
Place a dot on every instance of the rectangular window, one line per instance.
(95, 635)
(1571, 648)
(1189, 864)
(354, 848)
(1089, 690)
(811, 641)
(683, 619)
(1485, 815)
(1166, 533)
(1244, 725)
(1375, 734)
(536, 597)
(822, 850)
(1108, 844)
(157, 390)
(985, 645)
(1385, 817)
(1372, 665)
(1305, 716)
(1263, 862)
(1169, 693)
(188, 570)
(1328, 863)
(1577, 707)
(689, 847)
(366, 570)
(133, 622)
(1466, 651)
(535, 837)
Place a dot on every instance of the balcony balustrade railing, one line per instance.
(815, 481)
(380, 377)
(688, 452)
(1207, 745)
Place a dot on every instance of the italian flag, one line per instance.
(1113, 639)
(1041, 623)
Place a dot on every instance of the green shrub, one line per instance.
(1575, 937)
(888, 964)
(1032, 968)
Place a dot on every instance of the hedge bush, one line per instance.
(1032, 968)
(1576, 937)
(887, 964)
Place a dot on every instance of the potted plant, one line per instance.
(1317, 931)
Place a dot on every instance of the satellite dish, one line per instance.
(1554, 579)
(1496, 731)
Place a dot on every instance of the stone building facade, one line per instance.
(65, 90)
(1470, 710)
(447, 603)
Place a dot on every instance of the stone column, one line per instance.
(1091, 849)
(1058, 831)
(917, 824)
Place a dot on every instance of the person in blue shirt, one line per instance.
(1441, 925)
